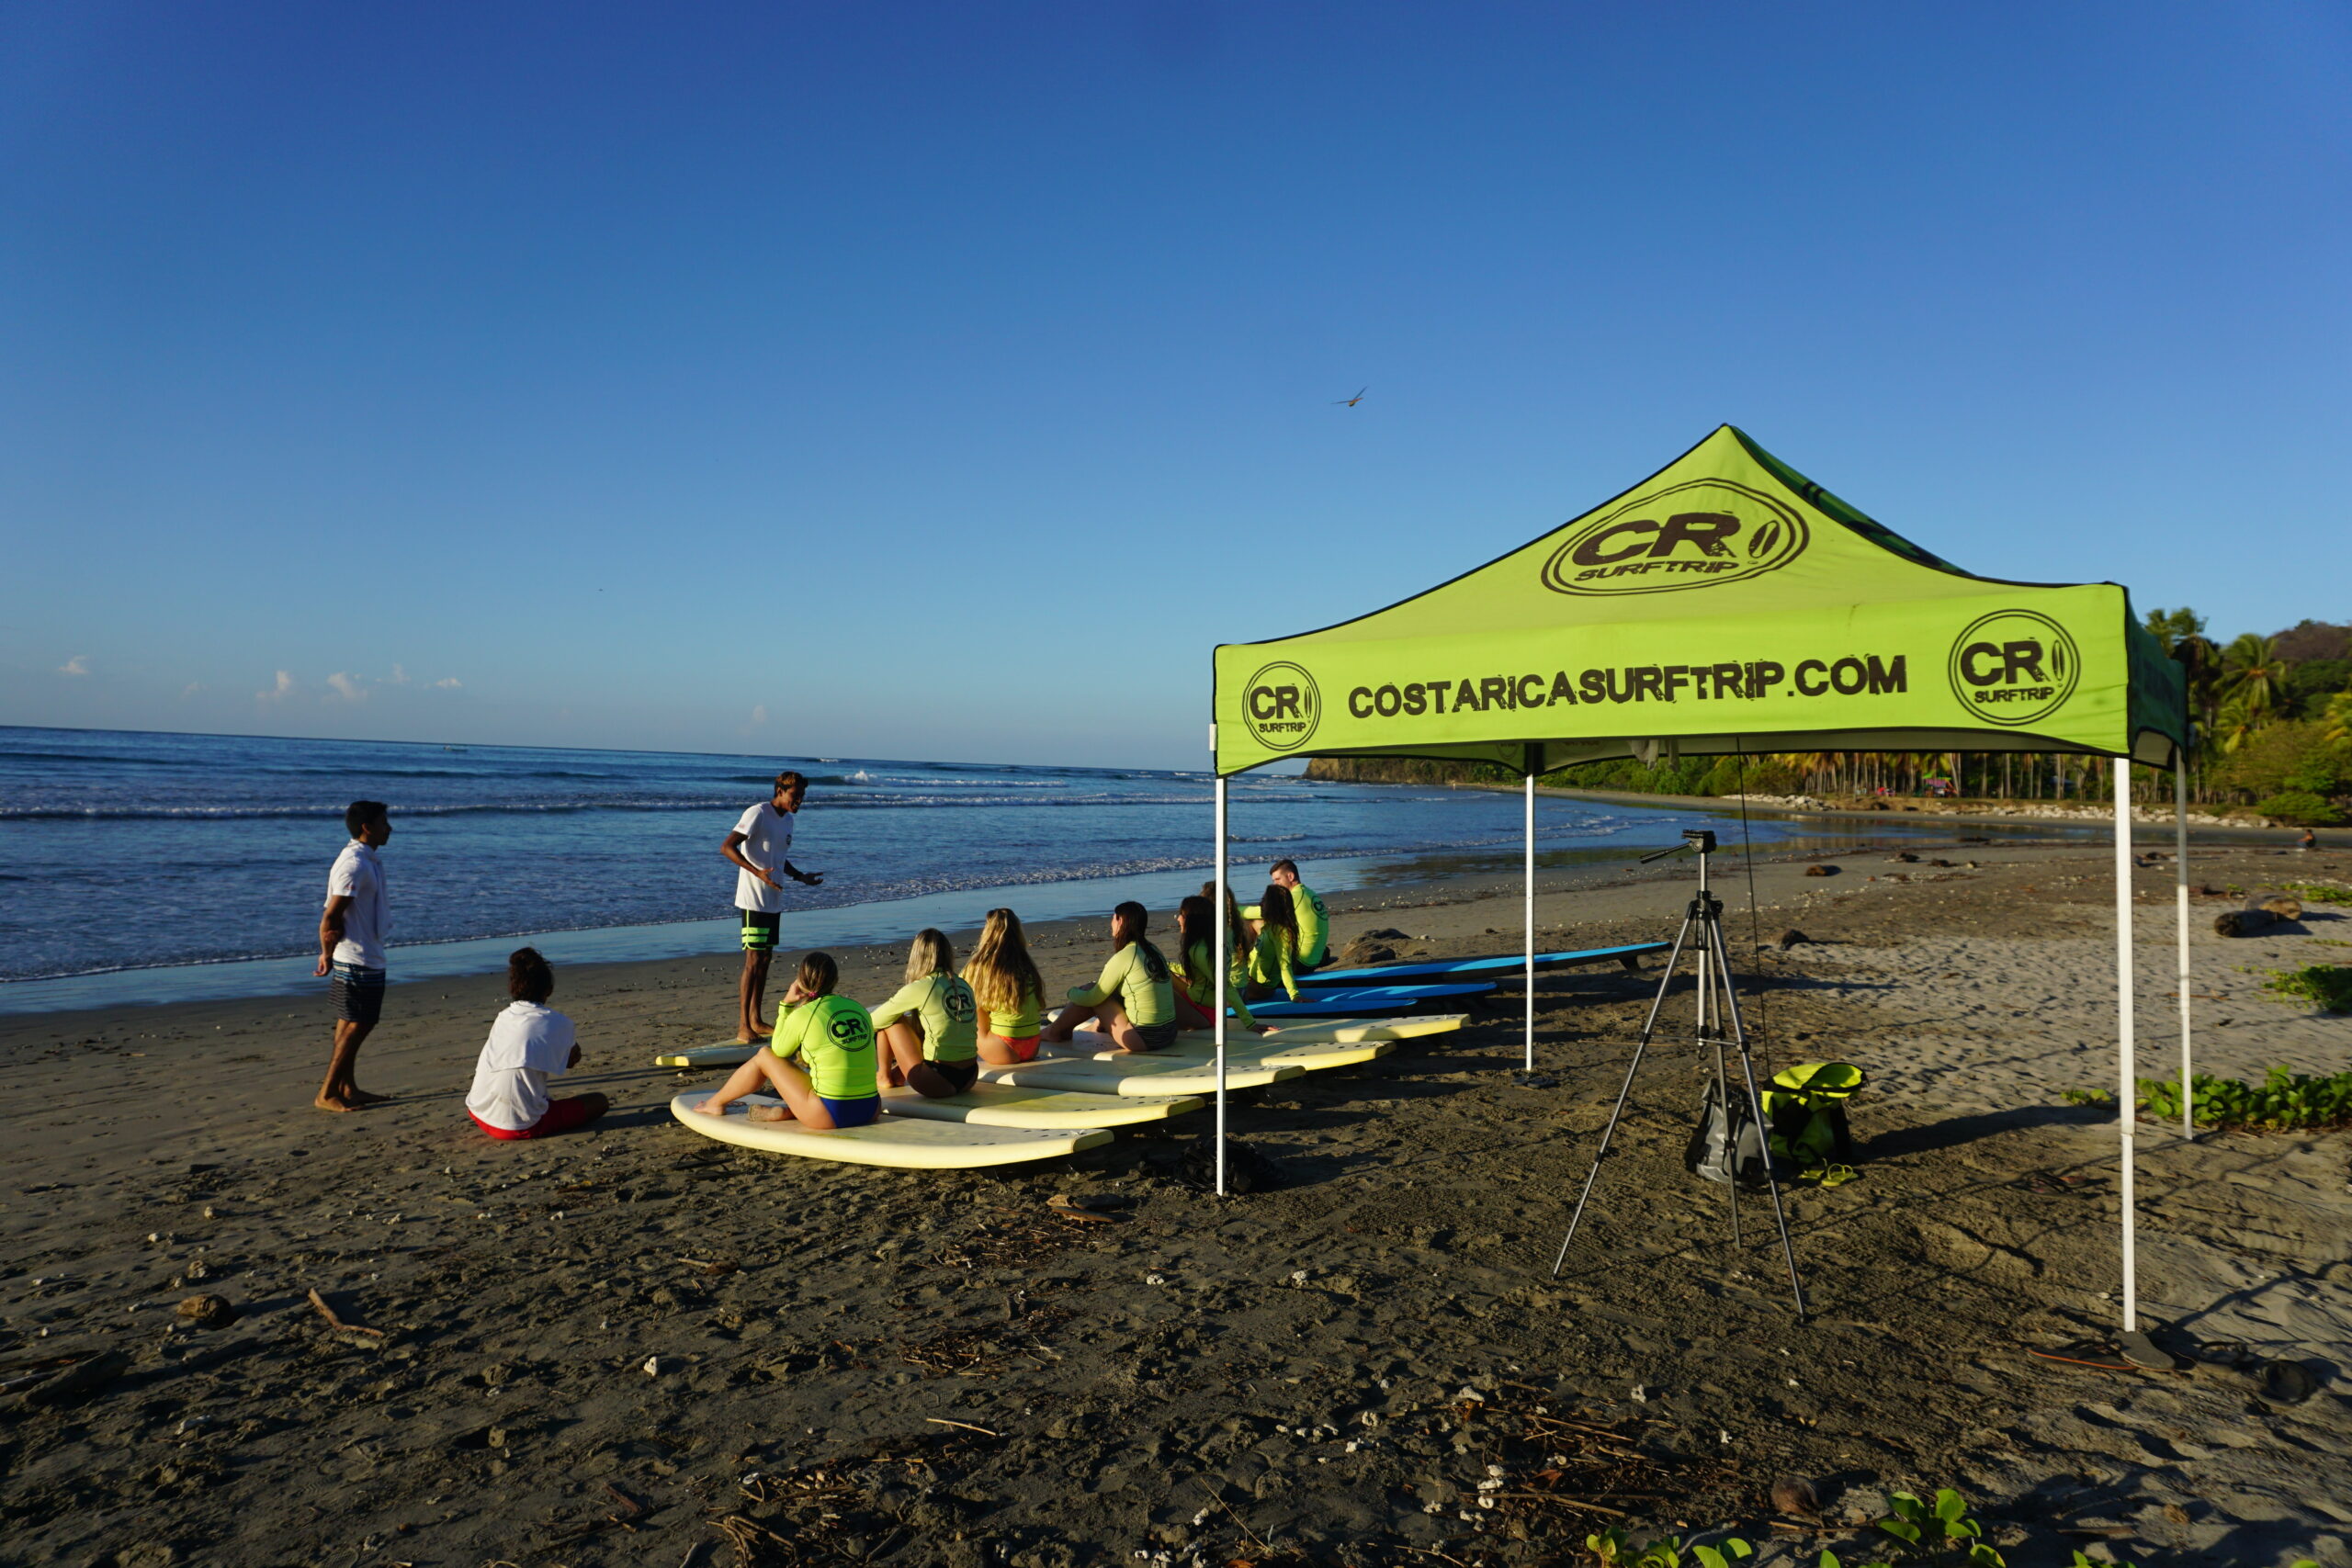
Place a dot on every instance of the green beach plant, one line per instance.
(1612, 1549)
(2282, 1102)
(2327, 987)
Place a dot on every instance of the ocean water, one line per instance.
(124, 851)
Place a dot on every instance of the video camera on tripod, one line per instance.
(1718, 1025)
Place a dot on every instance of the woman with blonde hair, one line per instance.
(1008, 988)
(925, 1037)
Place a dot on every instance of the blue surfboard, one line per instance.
(1371, 1001)
(1500, 966)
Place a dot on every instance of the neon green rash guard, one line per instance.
(1137, 975)
(833, 1037)
(1271, 965)
(944, 1006)
(1021, 1022)
(1201, 993)
(1314, 925)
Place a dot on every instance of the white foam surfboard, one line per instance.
(1242, 1050)
(900, 1141)
(1147, 1074)
(1342, 1032)
(1009, 1105)
(726, 1054)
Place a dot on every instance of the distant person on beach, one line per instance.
(758, 847)
(1274, 962)
(1009, 990)
(351, 947)
(1195, 974)
(1313, 919)
(832, 1037)
(1134, 1001)
(2310, 840)
(529, 1043)
(927, 1036)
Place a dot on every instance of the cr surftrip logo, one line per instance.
(2014, 667)
(1695, 534)
(1283, 706)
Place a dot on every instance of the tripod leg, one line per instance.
(1648, 1029)
(1755, 1109)
(1711, 1033)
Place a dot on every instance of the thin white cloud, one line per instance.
(399, 677)
(191, 688)
(448, 684)
(280, 692)
(758, 719)
(77, 665)
(348, 689)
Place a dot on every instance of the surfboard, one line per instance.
(1008, 1105)
(1307, 1031)
(902, 1141)
(1496, 966)
(1369, 1000)
(1406, 1026)
(1267, 1050)
(1147, 1075)
(726, 1054)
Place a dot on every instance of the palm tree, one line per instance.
(2253, 677)
(2336, 719)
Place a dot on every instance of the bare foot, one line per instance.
(711, 1107)
(767, 1113)
(361, 1097)
(324, 1103)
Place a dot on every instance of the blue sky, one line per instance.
(945, 381)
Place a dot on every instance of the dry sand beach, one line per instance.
(640, 1346)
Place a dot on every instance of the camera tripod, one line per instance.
(1718, 1010)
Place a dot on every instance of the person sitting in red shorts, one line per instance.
(529, 1042)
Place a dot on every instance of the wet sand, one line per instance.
(640, 1346)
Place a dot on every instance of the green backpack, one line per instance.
(1806, 1109)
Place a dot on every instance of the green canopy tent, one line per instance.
(1727, 603)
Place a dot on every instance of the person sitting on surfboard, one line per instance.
(1275, 960)
(1240, 924)
(1134, 1001)
(1196, 981)
(833, 1038)
(1313, 919)
(1006, 985)
(927, 1037)
(529, 1043)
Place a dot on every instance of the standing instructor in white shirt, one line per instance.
(758, 847)
(351, 946)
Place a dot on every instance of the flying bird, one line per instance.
(1350, 402)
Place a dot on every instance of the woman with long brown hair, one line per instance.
(1275, 958)
(1195, 976)
(1010, 991)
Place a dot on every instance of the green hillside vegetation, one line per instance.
(2273, 716)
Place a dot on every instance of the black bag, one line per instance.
(1726, 1145)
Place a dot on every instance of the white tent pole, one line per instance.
(2180, 901)
(1531, 922)
(1218, 960)
(2126, 1105)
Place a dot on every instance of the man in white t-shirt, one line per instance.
(529, 1043)
(758, 847)
(351, 946)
